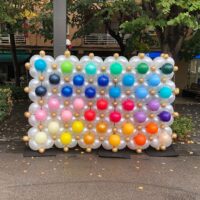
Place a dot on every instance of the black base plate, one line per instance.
(169, 152)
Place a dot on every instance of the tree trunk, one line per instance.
(14, 59)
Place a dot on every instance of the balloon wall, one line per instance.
(91, 102)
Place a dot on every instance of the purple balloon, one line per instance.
(140, 116)
(165, 116)
(153, 105)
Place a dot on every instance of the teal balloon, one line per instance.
(40, 65)
(90, 68)
(165, 92)
(116, 68)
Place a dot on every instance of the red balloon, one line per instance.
(128, 105)
(102, 104)
(89, 115)
(115, 116)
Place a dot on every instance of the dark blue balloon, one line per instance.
(128, 80)
(40, 91)
(115, 92)
(90, 92)
(78, 80)
(54, 79)
(67, 91)
(103, 80)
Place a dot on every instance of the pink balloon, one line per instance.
(40, 115)
(53, 103)
(78, 104)
(66, 115)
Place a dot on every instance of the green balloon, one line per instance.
(142, 68)
(116, 68)
(67, 67)
(167, 68)
(90, 68)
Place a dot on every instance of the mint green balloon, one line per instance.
(116, 68)
(91, 68)
(165, 92)
(67, 67)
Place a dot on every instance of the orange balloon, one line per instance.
(127, 128)
(101, 127)
(152, 128)
(140, 139)
(89, 138)
(114, 140)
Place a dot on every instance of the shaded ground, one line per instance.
(89, 177)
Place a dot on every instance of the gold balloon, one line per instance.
(101, 127)
(127, 128)
(114, 140)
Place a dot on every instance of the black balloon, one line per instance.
(54, 79)
(40, 91)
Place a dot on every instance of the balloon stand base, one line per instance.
(124, 154)
(169, 152)
(30, 153)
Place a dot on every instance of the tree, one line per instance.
(92, 15)
(13, 15)
(174, 22)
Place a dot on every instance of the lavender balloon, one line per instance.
(165, 116)
(140, 116)
(153, 105)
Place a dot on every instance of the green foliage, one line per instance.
(14, 13)
(17, 93)
(191, 47)
(5, 102)
(182, 126)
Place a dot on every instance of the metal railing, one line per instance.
(99, 39)
(19, 39)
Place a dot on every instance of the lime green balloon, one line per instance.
(67, 67)
(91, 68)
(142, 68)
(116, 68)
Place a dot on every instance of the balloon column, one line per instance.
(92, 102)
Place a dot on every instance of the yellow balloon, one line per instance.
(65, 138)
(77, 126)
(53, 127)
(40, 138)
(114, 140)
(127, 128)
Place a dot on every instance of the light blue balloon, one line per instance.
(128, 80)
(40, 65)
(91, 68)
(115, 92)
(165, 92)
(141, 92)
(153, 80)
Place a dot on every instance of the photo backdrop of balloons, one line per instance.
(90, 102)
